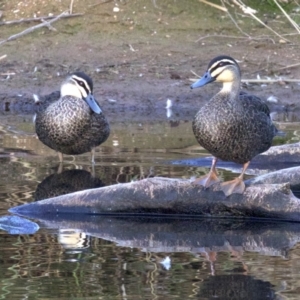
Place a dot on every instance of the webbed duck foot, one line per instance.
(235, 186)
(207, 180)
(210, 178)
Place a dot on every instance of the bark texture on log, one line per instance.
(289, 175)
(266, 196)
(173, 197)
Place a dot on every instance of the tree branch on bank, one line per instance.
(31, 29)
(39, 19)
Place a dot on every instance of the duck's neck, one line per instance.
(231, 88)
(68, 89)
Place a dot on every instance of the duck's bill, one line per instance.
(207, 78)
(90, 100)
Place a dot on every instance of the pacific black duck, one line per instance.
(232, 126)
(74, 123)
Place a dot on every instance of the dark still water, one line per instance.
(135, 257)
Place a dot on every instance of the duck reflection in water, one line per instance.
(236, 287)
(66, 182)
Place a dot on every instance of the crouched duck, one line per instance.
(232, 126)
(74, 123)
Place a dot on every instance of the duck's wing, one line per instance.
(259, 109)
(255, 103)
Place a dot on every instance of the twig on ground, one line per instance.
(71, 7)
(270, 80)
(290, 34)
(48, 25)
(236, 37)
(288, 17)
(195, 73)
(101, 2)
(131, 48)
(38, 19)
(31, 29)
(214, 5)
(258, 80)
(248, 10)
(234, 22)
(3, 56)
(154, 4)
(287, 67)
(8, 74)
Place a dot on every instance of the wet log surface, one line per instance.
(158, 196)
(267, 196)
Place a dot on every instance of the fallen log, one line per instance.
(266, 196)
(290, 175)
(282, 153)
(157, 196)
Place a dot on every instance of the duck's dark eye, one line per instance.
(80, 83)
(221, 64)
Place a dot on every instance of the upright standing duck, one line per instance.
(74, 123)
(232, 126)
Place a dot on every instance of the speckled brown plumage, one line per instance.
(234, 129)
(232, 126)
(68, 125)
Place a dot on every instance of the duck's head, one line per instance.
(221, 69)
(80, 85)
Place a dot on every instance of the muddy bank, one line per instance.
(147, 104)
(141, 55)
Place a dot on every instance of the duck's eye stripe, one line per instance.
(83, 84)
(219, 64)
